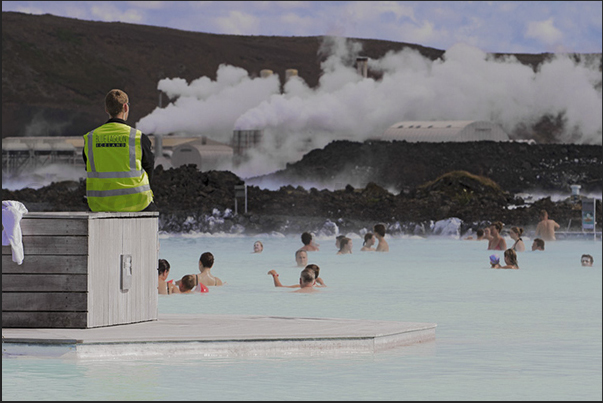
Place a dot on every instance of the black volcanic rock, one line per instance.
(191, 200)
(400, 165)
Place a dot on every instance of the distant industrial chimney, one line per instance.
(290, 73)
(265, 73)
(362, 66)
(242, 140)
(158, 143)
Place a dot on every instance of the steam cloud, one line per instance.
(467, 84)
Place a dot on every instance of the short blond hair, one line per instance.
(115, 101)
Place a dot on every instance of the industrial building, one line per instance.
(25, 154)
(207, 154)
(28, 153)
(443, 131)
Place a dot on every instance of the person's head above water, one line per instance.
(516, 232)
(511, 257)
(587, 260)
(496, 226)
(301, 258)
(345, 246)
(538, 244)
(187, 283)
(379, 229)
(163, 267)
(306, 238)
(206, 260)
(307, 277)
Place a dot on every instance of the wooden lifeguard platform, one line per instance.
(82, 270)
(83, 273)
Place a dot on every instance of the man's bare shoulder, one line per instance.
(382, 248)
(306, 290)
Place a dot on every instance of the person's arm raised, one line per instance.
(277, 282)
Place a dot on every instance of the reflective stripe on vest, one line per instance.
(118, 192)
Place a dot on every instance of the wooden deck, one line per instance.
(217, 335)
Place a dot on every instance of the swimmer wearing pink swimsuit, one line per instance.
(498, 247)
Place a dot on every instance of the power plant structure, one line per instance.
(28, 153)
(444, 131)
(362, 66)
(290, 73)
(205, 153)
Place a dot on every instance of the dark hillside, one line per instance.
(56, 71)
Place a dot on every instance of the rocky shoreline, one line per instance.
(193, 201)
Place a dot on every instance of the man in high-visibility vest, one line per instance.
(119, 162)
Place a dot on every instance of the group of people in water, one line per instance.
(309, 276)
(545, 230)
(190, 282)
(344, 244)
(373, 242)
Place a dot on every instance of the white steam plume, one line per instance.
(467, 84)
(206, 107)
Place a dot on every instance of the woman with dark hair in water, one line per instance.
(495, 241)
(369, 241)
(345, 246)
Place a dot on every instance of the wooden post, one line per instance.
(240, 191)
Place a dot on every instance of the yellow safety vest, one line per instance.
(115, 178)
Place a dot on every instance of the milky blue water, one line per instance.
(528, 334)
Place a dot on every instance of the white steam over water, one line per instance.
(467, 84)
(43, 176)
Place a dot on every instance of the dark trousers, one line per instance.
(151, 207)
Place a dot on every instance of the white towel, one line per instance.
(12, 212)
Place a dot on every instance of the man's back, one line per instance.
(382, 246)
(307, 289)
(207, 279)
(546, 229)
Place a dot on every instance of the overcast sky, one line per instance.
(492, 26)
